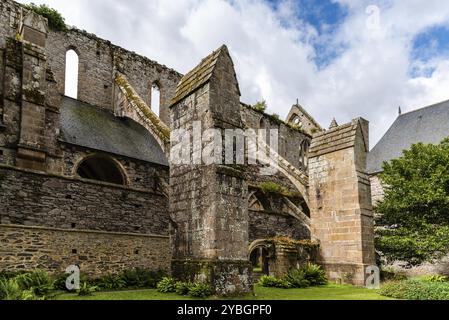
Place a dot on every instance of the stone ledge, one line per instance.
(15, 226)
(81, 180)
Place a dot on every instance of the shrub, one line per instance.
(38, 282)
(273, 282)
(183, 288)
(416, 290)
(314, 274)
(297, 278)
(10, 290)
(55, 20)
(86, 289)
(166, 285)
(110, 282)
(141, 278)
(200, 290)
(260, 106)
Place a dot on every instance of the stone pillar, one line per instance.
(340, 201)
(208, 202)
(31, 151)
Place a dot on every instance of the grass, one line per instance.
(329, 292)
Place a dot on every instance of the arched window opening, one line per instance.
(304, 154)
(71, 74)
(155, 98)
(101, 168)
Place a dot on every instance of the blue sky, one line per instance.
(339, 58)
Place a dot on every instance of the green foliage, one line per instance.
(200, 290)
(86, 289)
(297, 278)
(389, 274)
(307, 276)
(10, 290)
(38, 283)
(260, 106)
(55, 20)
(416, 290)
(183, 288)
(314, 274)
(166, 285)
(416, 205)
(414, 245)
(271, 187)
(110, 282)
(142, 278)
(273, 282)
(435, 278)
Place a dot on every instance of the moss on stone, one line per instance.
(161, 129)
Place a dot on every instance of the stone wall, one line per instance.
(98, 61)
(30, 198)
(266, 225)
(340, 200)
(139, 174)
(377, 191)
(96, 253)
(290, 139)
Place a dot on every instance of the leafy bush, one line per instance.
(38, 282)
(273, 282)
(110, 282)
(297, 278)
(86, 289)
(141, 278)
(166, 285)
(260, 106)
(183, 288)
(10, 290)
(200, 290)
(314, 274)
(389, 274)
(55, 20)
(416, 290)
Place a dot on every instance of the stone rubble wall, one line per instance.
(96, 253)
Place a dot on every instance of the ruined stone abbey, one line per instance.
(89, 180)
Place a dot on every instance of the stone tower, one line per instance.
(208, 201)
(340, 201)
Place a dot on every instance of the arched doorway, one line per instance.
(259, 261)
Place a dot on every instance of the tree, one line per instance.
(415, 209)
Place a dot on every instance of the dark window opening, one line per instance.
(73, 225)
(101, 169)
(74, 251)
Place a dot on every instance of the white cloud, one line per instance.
(272, 50)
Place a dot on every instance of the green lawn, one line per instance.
(329, 292)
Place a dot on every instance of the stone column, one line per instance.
(208, 202)
(340, 201)
(31, 151)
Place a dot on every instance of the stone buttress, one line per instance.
(208, 203)
(340, 201)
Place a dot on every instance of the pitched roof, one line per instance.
(427, 125)
(92, 127)
(199, 76)
(337, 138)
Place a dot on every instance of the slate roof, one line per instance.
(427, 125)
(92, 127)
(199, 76)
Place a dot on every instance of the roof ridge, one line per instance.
(422, 108)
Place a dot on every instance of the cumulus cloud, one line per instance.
(275, 53)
